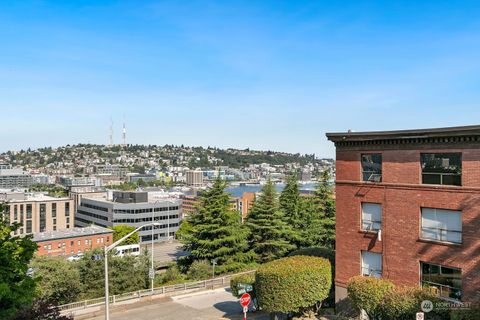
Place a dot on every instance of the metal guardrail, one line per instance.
(172, 289)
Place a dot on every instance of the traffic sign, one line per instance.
(245, 300)
(151, 273)
(245, 287)
(420, 316)
(245, 309)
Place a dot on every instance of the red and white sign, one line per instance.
(245, 299)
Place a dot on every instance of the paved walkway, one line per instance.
(215, 304)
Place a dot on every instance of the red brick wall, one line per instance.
(402, 196)
(65, 246)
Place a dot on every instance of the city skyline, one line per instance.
(266, 76)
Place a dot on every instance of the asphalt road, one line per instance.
(215, 304)
(165, 252)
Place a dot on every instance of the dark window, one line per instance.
(441, 168)
(29, 226)
(29, 211)
(43, 217)
(445, 281)
(372, 167)
(21, 213)
(67, 209)
(87, 205)
(54, 210)
(15, 213)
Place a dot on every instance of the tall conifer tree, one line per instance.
(215, 232)
(319, 215)
(291, 206)
(270, 233)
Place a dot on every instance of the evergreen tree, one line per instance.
(319, 215)
(290, 204)
(215, 232)
(290, 201)
(270, 233)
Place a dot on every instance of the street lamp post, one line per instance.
(151, 274)
(107, 250)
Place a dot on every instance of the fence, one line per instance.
(166, 290)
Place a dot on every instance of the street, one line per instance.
(215, 304)
(165, 252)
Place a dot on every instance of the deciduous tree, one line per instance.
(17, 289)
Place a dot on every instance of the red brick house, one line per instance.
(408, 209)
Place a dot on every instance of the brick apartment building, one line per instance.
(72, 241)
(408, 209)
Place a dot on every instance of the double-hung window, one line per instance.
(371, 264)
(371, 216)
(441, 225)
(372, 167)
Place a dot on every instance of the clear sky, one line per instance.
(261, 74)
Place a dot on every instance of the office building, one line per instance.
(112, 170)
(134, 209)
(195, 178)
(72, 241)
(408, 206)
(14, 177)
(38, 212)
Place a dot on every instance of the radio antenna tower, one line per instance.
(111, 132)
(124, 135)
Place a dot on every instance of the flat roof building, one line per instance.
(194, 178)
(134, 209)
(37, 212)
(407, 209)
(14, 177)
(72, 241)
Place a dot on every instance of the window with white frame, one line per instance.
(371, 264)
(371, 216)
(441, 225)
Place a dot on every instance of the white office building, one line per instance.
(134, 209)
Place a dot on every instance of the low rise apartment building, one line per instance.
(72, 241)
(37, 212)
(134, 209)
(408, 206)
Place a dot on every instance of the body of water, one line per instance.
(237, 191)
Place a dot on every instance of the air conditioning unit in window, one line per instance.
(375, 177)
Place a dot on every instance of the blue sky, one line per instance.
(261, 74)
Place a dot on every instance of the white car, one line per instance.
(75, 257)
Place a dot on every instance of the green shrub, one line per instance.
(473, 313)
(322, 252)
(248, 278)
(171, 276)
(200, 270)
(367, 293)
(293, 284)
(403, 303)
